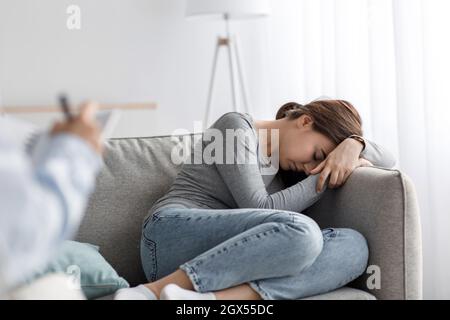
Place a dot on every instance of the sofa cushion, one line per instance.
(87, 268)
(344, 293)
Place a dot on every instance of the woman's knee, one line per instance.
(304, 237)
(309, 238)
(356, 249)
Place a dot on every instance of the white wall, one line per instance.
(126, 51)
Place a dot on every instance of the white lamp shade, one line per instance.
(235, 9)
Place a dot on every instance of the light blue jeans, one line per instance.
(280, 254)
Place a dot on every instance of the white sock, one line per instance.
(174, 292)
(140, 292)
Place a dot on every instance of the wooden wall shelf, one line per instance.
(51, 109)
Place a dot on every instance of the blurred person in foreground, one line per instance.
(43, 195)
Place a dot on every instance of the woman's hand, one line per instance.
(340, 163)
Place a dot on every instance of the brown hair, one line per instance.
(336, 119)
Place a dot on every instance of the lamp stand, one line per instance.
(234, 61)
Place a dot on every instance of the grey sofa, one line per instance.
(379, 203)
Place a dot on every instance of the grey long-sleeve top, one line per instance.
(240, 181)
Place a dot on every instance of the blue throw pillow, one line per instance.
(84, 261)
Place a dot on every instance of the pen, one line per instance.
(64, 104)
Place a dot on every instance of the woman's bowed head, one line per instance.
(316, 138)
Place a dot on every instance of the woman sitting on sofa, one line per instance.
(233, 229)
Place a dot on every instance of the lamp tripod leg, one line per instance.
(241, 73)
(232, 79)
(211, 85)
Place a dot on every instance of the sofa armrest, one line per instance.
(382, 205)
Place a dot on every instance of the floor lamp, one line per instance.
(228, 10)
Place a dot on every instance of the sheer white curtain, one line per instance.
(391, 58)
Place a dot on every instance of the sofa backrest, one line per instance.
(137, 172)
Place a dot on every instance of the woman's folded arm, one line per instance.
(378, 155)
